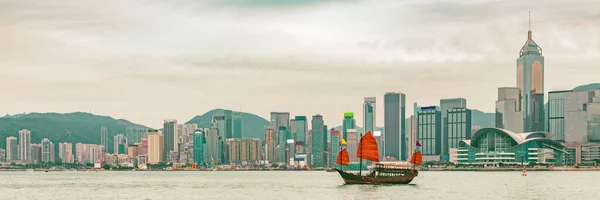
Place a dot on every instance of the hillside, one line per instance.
(591, 86)
(84, 127)
(252, 125)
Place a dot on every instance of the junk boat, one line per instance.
(384, 172)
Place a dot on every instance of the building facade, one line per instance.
(25, 145)
(155, 147)
(508, 109)
(556, 114)
(171, 139)
(457, 128)
(12, 150)
(120, 144)
(318, 141)
(445, 105)
(336, 141)
(411, 134)
(104, 138)
(348, 123)
(369, 114)
(429, 130)
(530, 81)
(394, 125)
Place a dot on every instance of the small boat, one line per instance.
(383, 172)
(524, 173)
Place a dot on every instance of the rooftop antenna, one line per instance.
(529, 32)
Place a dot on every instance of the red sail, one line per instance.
(367, 148)
(343, 158)
(416, 158)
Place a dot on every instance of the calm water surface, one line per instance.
(293, 185)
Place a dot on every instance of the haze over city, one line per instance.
(146, 61)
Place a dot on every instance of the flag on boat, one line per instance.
(418, 144)
(344, 142)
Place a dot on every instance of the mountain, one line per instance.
(84, 127)
(252, 125)
(591, 86)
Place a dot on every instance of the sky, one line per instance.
(150, 60)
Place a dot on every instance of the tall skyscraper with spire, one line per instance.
(530, 80)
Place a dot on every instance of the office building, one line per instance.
(299, 128)
(214, 142)
(25, 145)
(133, 150)
(445, 105)
(244, 149)
(508, 109)
(530, 81)
(155, 146)
(348, 123)
(36, 153)
(457, 128)
(369, 114)
(199, 147)
(352, 145)
(271, 144)
(429, 131)
(318, 140)
(279, 119)
(556, 114)
(335, 143)
(394, 125)
(12, 150)
(171, 139)
(237, 125)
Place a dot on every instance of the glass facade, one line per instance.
(237, 124)
(348, 123)
(457, 128)
(491, 145)
(318, 141)
(556, 115)
(429, 130)
(369, 114)
(530, 80)
(335, 146)
(199, 147)
(394, 133)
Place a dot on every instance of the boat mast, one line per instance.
(361, 155)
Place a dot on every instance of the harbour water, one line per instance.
(293, 185)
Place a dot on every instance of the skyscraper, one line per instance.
(457, 127)
(348, 123)
(394, 114)
(155, 146)
(271, 144)
(429, 131)
(530, 80)
(12, 150)
(120, 144)
(104, 138)
(411, 145)
(25, 145)
(335, 146)
(445, 105)
(214, 142)
(199, 147)
(556, 114)
(171, 139)
(299, 128)
(508, 109)
(237, 124)
(134, 134)
(279, 119)
(369, 114)
(317, 144)
(65, 152)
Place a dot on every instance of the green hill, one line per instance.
(84, 127)
(252, 125)
(591, 86)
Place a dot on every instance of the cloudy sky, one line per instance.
(149, 60)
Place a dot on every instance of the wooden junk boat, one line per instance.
(384, 172)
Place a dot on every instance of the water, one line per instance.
(293, 185)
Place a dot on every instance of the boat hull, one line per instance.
(374, 180)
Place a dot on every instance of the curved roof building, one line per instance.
(495, 145)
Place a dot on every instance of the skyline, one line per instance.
(315, 54)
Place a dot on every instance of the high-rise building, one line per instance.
(352, 145)
(411, 134)
(214, 142)
(89, 153)
(104, 138)
(237, 125)
(556, 114)
(245, 149)
(369, 114)
(133, 150)
(445, 105)
(135, 134)
(530, 81)
(271, 144)
(47, 150)
(12, 150)
(155, 146)
(508, 109)
(299, 128)
(282, 144)
(170, 138)
(457, 127)
(65, 152)
(318, 141)
(185, 132)
(279, 119)
(394, 125)
(120, 144)
(429, 131)
(348, 123)
(335, 146)
(199, 147)
(25, 145)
